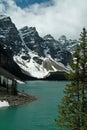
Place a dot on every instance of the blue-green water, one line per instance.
(37, 115)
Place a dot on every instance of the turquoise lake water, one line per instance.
(37, 115)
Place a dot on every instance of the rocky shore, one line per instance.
(19, 99)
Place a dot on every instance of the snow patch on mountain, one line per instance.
(31, 68)
(36, 56)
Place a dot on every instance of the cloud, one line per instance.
(62, 17)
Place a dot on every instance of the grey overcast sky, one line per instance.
(56, 17)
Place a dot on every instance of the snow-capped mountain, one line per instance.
(54, 49)
(66, 44)
(9, 35)
(36, 56)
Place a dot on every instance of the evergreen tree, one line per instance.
(0, 79)
(14, 88)
(73, 108)
(4, 83)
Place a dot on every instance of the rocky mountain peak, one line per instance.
(9, 34)
(4, 17)
(63, 40)
(5, 22)
(67, 44)
(63, 37)
(30, 50)
(48, 37)
(29, 31)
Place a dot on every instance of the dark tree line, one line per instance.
(10, 88)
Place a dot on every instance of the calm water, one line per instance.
(38, 115)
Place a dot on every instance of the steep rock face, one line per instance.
(33, 55)
(9, 35)
(69, 45)
(32, 39)
(55, 50)
(46, 46)
(50, 46)
(63, 41)
(7, 62)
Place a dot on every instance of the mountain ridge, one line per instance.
(36, 56)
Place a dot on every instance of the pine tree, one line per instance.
(73, 108)
(0, 79)
(14, 88)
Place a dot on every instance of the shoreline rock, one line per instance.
(19, 99)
